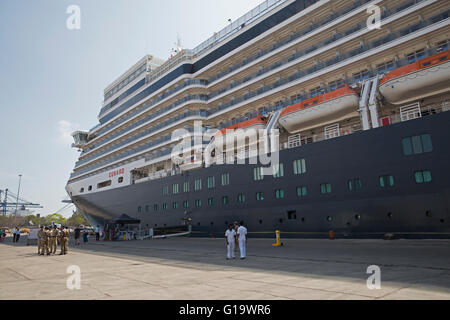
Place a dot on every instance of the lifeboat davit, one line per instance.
(320, 110)
(420, 79)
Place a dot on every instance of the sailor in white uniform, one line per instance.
(242, 234)
(230, 236)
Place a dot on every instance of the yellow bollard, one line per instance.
(278, 243)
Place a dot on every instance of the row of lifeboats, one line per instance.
(418, 80)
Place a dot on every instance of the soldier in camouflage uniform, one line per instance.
(64, 240)
(53, 242)
(41, 241)
(44, 248)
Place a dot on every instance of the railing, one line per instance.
(320, 66)
(137, 149)
(237, 25)
(300, 54)
(144, 120)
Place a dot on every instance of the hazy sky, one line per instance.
(52, 78)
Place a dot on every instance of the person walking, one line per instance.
(242, 234)
(14, 234)
(230, 237)
(77, 233)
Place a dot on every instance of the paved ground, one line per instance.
(187, 268)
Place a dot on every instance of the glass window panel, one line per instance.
(426, 176)
(417, 145)
(391, 181)
(427, 143)
(382, 182)
(407, 146)
(418, 176)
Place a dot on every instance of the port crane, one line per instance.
(8, 201)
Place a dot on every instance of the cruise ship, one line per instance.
(348, 100)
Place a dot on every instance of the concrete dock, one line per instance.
(190, 268)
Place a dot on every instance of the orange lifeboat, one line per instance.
(417, 80)
(320, 110)
(258, 122)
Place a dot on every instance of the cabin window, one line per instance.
(360, 76)
(104, 184)
(259, 196)
(302, 191)
(414, 56)
(90, 188)
(198, 203)
(335, 84)
(278, 170)
(165, 191)
(186, 204)
(225, 179)
(120, 180)
(442, 46)
(225, 200)
(386, 181)
(198, 184)
(354, 184)
(164, 206)
(241, 198)
(385, 67)
(417, 144)
(139, 209)
(186, 186)
(175, 188)
(210, 201)
(258, 174)
(147, 208)
(299, 166)
(325, 188)
(211, 182)
(81, 190)
(316, 91)
(279, 194)
(155, 207)
(422, 176)
(175, 205)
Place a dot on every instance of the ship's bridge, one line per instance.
(80, 139)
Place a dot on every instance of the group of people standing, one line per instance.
(48, 238)
(236, 235)
(16, 234)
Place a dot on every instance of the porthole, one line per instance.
(198, 224)
(442, 220)
(389, 215)
(156, 225)
(212, 223)
(303, 219)
(357, 217)
(281, 220)
(260, 221)
(428, 214)
(329, 219)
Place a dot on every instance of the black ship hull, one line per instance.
(407, 209)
